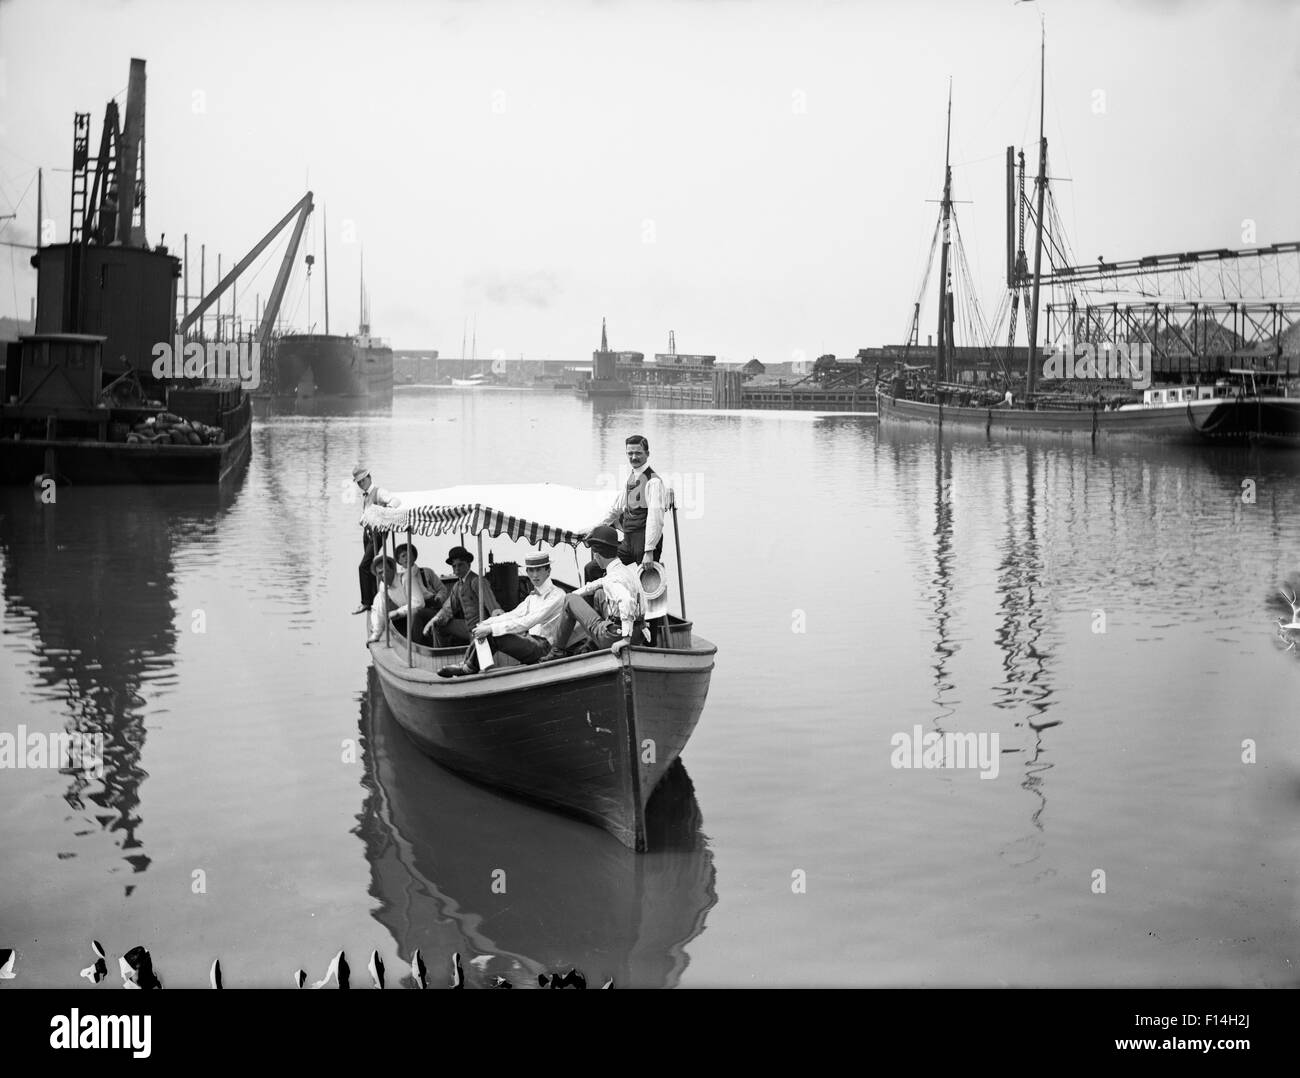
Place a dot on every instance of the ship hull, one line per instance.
(91, 462)
(1274, 420)
(602, 387)
(339, 366)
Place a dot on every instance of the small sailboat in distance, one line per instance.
(478, 378)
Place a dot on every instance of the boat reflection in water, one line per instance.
(458, 867)
(98, 643)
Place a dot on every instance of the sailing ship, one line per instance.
(480, 378)
(1244, 400)
(84, 401)
(334, 365)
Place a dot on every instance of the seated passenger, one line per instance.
(458, 612)
(617, 608)
(389, 602)
(427, 592)
(528, 632)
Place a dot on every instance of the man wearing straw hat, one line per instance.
(529, 631)
(370, 495)
(616, 612)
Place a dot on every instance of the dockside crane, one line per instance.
(299, 214)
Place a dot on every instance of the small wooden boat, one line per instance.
(590, 735)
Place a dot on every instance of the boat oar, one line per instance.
(677, 544)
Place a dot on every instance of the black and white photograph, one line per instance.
(649, 494)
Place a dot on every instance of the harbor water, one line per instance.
(1103, 621)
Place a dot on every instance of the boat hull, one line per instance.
(590, 736)
(90, 462)
(1266, 419)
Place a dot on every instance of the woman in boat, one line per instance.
(427, 592)
(389, 603)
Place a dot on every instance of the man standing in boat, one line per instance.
(529, 631)
(370, 495)
(458, 615)
(638, 511)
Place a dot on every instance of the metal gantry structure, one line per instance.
(1200, 311)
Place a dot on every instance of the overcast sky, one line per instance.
(753, 175)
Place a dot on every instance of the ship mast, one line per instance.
(362, 327)
(941, 354)
(325, 239)
(1031, 380)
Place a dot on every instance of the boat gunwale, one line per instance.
(538, 675)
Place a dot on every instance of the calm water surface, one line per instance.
(259, 804)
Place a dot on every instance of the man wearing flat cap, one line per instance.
(528, 632)
(617, 608)
(370, 495)
(459, 613)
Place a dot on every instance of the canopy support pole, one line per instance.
(383, 583)
(482, 602)
(677, 544)
(410, 613)
(379, 581)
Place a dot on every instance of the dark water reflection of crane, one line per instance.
(93, 576)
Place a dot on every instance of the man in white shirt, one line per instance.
(528, 632)
(638, 511)
(616, 613)
(370, 495)
(390, 602)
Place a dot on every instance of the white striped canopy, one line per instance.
(537, 512)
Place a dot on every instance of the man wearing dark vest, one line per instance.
(455, 621)
(638, 511)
